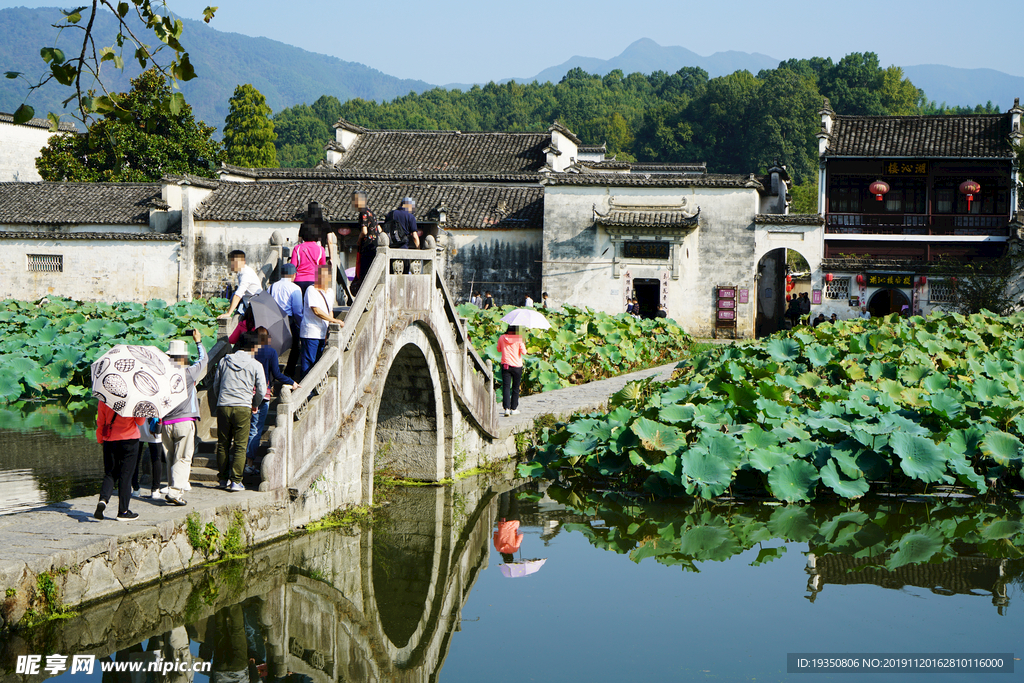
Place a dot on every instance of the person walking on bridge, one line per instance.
(317, 314)
(240, 387)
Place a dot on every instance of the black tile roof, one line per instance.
(189, 179)
(629, 218)
(332, 173)
(62, 127)
(789, 219)
(62, 236)
(469, 207)
(921, 137)
(79, 203)
(652, 180)
(445, 152)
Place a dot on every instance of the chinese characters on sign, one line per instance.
(816, 296)
(905, 168)
(633, 249)
(899, 280)
(744, 295)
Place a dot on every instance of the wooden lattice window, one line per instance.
(839, 288)
(940, 291)
(45, 263)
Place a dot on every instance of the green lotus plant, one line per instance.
(840, 410)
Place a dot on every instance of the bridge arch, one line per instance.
(409, 420)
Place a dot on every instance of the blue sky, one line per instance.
(458, 41)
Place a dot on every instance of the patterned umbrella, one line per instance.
(138, 381)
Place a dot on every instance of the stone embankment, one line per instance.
(87, 560)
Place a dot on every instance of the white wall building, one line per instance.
(20, 145)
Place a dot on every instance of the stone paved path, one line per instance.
(582, 398)
(65, 534)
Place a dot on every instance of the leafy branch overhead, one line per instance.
(79, 65)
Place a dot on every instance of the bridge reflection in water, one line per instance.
(384, 602)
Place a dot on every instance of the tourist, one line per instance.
(819, 320)
(179, 432)
(317, 314)
(488, 300)
(793, 310)
(366, 245)
(512, 349)
(545, 302)
(865, 314)
(528, 301)
(307, 256)
(248, 282)
(662, 313)
(288, 296)
(834, 319)
(120, 439)
(507, 538)
(150, 433)
(406, 220)
(476, 299)
(804, 306)
(240, 387)
(266, 356)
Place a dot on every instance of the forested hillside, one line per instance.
(738, 123)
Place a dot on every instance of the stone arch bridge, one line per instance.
(400, 387)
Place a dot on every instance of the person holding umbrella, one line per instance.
(512, 349)
(119, 437)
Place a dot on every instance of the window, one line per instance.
(940, 292)
(839, 288)
(45, 263)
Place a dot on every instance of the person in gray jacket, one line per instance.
(179, 425)
(240, 386)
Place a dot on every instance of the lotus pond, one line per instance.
(618, 590)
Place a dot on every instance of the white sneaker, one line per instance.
(515, 412)
(186, 487)
(236, 486)
(157, 495)
(162, 491)
(508, 413)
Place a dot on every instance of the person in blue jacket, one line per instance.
(267, 357)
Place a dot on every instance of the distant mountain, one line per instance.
(286, 75)
(966, 87)
(646, 56)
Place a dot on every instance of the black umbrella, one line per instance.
(267, 313)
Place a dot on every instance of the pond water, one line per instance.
(600, 589)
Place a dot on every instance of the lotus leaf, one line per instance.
(767, 458)
(1001, 528)
(946, 403)
(792, 523)
(793, 481)
(843, 486)
(766, 555)
(1004, 448)
(915, 548)
(920, 457)
(704, 473)
(655, 436)
(782, 349)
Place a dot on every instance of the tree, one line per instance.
(248, 131)
(149, 143)
(84, 61)
(984, 285)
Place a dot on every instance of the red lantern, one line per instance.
(829, 277)
(969, 188)
(789, 287)
(922, 281)
(861, 279)
(953, 280)
(789, 279)
(879, 188)
(789, 298)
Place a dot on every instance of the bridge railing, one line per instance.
(309, 418)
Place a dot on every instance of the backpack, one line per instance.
(395, 232)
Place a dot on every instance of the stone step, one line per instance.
(204, 474)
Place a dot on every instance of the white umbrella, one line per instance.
(517, 570)
(138, 381)
(527, 317)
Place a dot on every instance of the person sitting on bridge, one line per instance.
(240, 387)
(317, 314)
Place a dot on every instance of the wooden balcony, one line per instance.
(914, 224)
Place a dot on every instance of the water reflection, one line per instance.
(423, 589)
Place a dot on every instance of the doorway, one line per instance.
(648, 295)
(886, 301)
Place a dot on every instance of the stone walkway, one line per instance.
(583, 398)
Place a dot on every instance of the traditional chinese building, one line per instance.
(900, 194)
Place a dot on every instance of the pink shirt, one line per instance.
(512, 348)
(306, 257)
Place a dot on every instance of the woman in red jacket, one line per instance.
(120, 439)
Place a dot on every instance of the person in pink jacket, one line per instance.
(512, 349)
(307, 256)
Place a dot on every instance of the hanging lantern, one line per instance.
(861, 279)
(789, 297)
(922, 281)
(829, 277)
(969, 188)
(879, 188)
(789, 287)
(789, 279)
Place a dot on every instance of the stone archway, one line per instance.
(408, 425)
(886, 301)
(770, 298)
